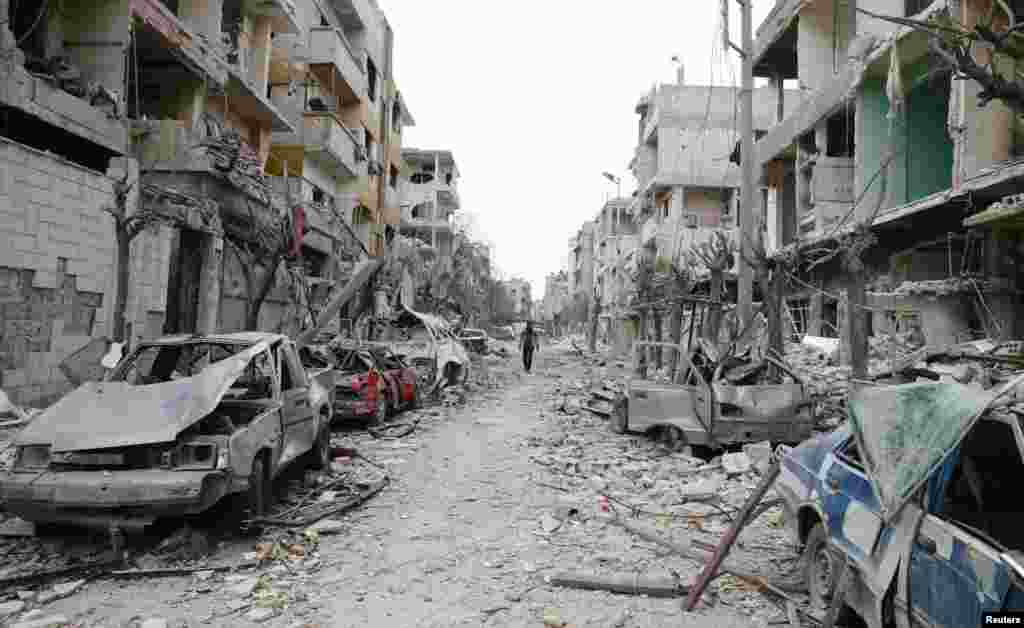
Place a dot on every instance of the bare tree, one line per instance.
(718, 255)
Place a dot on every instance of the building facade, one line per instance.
(687, 188)
(883, 135)
(555, 302)
(581, 276)
(430, 197)
(247, 145)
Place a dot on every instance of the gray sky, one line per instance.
(536, 99)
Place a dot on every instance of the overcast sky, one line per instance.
(536, 97)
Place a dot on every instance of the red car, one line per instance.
(371, 382)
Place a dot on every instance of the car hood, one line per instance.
(99, 415)
(905, 432)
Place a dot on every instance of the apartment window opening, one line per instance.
(840, 134)
(393, 177)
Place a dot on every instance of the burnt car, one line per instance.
(917, 492)
(474, 340)
(370, 381)
(175, 427)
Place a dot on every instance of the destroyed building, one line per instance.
(429, 197)
(882, 133)
(581, 275)
(555, 302)
(253, 143)
(686, 186)
(617, 240)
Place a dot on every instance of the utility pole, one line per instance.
(746, 211)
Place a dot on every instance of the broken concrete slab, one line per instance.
(16, 527)
(260, 615)
(42, 622)
(154, 622)
(60, 591)
(328, 526)
(11, 608)
(736, 463)
(244, 588)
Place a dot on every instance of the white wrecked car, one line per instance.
(176, 426)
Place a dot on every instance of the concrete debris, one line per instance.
(328, 526)
(154, 622)
(59, 591)
(759, 454)
(260, 615)
(15, 527)
(47, 621)
(11, 608)
(736, 463)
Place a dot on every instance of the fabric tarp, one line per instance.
(98, 415)
(906, 431)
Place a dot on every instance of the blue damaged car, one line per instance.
(917, 494)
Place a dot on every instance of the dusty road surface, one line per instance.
(474, 521)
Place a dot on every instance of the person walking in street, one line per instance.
(527, 345)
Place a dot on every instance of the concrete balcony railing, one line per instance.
(282, 13)
(337, 65)
(331, 145)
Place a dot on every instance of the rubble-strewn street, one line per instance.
(488, 501)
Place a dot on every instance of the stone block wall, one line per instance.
(57, 269)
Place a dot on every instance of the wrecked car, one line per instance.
(714, 409)
(370, 381)
(175, 427)
(427, 344)
(474, 340)
(918, 493)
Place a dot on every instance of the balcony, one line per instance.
(21, 90)
(247, 99)
(193, 51)
(425, 224)
(331, 145)
(336, 65)
(282, 13)
(448, 196)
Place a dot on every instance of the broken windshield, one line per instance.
(155, 364)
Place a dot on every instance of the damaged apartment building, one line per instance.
(256, 145)
(615, 243)
(687, 187)
(880, 132)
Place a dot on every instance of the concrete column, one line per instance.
(205, 17)
(780, 97)
(261, 46)
(209, 285)
(817, 302)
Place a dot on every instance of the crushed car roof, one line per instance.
(100, 415)
(906, 431)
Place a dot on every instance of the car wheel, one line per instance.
(320, 455)
(259, 496)
(822, 568)
(619, 420)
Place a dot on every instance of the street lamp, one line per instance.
(617, 181)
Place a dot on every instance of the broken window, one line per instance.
(393, 177)
(26, 129)
(913, 7)
(288, 381)
(840, 134)
(984, 485)
(319, 196)
(422, 177)
(371, 80)
(396, 117)
(155, 364)
(29, 24)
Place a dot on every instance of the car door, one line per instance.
(955, 576)
(298, 419)
(849, 503)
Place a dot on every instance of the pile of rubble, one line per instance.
(595, 476)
